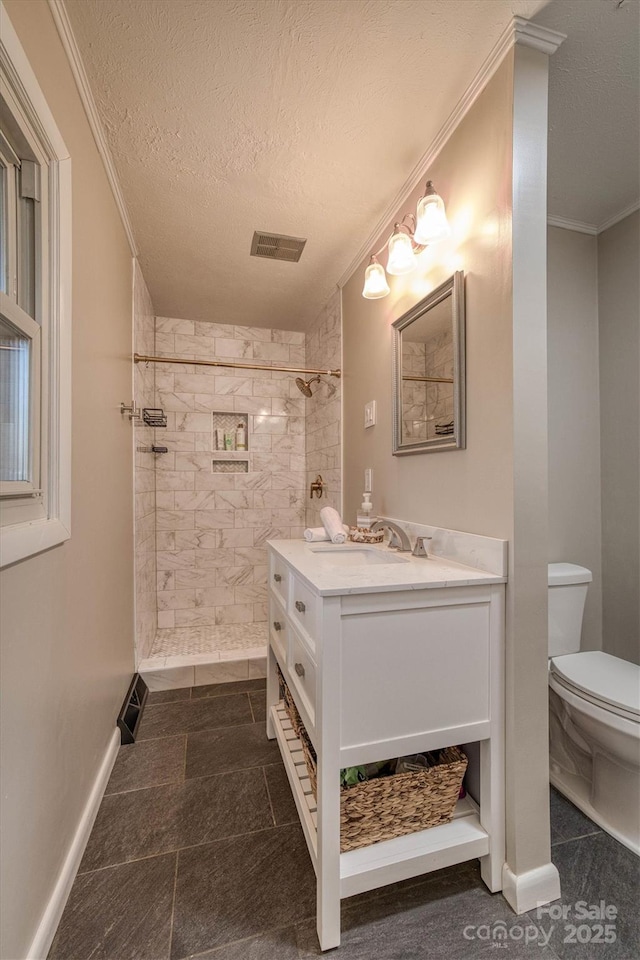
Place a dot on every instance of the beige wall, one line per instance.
(465, 489)
(574, 413)
(619, 315)
(498, 485)
(67, 615)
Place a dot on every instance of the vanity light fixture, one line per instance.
(401, 256)
(410, 236)
(375, 281)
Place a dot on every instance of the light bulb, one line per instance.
(401, 257)
(431, 219)
(375, 281)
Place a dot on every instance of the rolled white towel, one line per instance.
(333, 524)
(316, 534)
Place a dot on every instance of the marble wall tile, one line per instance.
(170, 325)
(236, 538)
(213, 402)
(175, 519)
(295, 337)
(236, 349)
(212, 527)
(175, 480)
(253, 333)
(234, 385)
(206, 559)
(165, 500)
(234, 576)
(165, 580)
(176, 599)
(211, 596)
(176, 559)
(267, 387)
(275, 352)
(323, 411)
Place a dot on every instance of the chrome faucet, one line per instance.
(398, 538)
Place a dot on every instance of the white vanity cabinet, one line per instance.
(383, 662)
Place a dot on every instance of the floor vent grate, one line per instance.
(131, 712)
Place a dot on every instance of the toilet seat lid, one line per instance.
(602, 677)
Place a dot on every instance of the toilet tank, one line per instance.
(568, 585)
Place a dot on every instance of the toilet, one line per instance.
(594, 715)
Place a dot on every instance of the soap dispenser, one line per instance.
(364, 518)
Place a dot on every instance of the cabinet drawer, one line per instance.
(279, 578)
(303, 610)
(302, 673)
(279, 631)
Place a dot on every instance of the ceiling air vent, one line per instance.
(276, 247)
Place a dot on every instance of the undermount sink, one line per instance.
(340, 556)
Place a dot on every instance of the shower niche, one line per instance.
(230, 442)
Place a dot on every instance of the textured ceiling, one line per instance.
(594, 128)
(299, 117)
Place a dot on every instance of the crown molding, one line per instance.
(529, 34)
(576, 225)
(67, 36)
(616, 218)
(518, 31)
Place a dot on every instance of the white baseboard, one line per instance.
(526, 891)
(48, 925)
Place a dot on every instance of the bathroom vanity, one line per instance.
(387, 655)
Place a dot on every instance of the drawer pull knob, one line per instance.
(277, 626)
(300, 607)
(277, 577)
(299, 669)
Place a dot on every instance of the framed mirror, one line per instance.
(429, 372)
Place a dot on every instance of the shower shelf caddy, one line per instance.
(154, 417)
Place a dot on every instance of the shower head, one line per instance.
(304, 386)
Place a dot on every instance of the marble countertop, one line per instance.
(313, 563)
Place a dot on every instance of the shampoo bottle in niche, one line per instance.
(364, 518)
(241, 437)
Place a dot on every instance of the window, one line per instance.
(35, 266)
(20, 341)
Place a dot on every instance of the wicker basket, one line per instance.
(300, 732)
(387, 807)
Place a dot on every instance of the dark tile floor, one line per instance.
(197, 852)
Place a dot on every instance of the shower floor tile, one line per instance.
(189, 641)
(191, 656)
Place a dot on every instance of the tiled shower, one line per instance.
(214, 508)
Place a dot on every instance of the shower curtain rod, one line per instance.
(141, 358)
